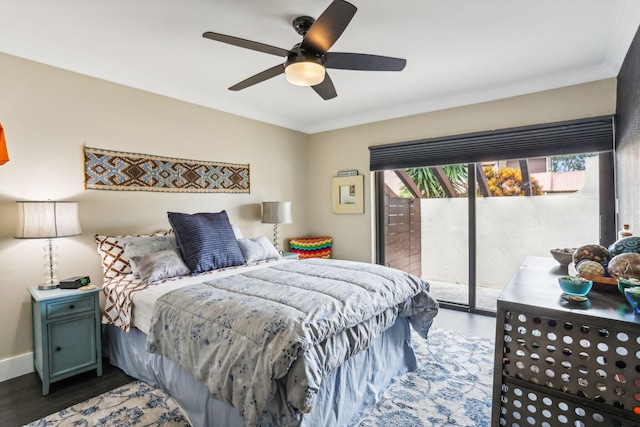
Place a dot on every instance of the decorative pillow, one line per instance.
(236, 231)
(311, 247)
(156, 266)
(142, 245)
(206, 240)
(258, 249)
(111, 251)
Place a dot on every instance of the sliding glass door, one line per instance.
(472, 243)
(534, 205)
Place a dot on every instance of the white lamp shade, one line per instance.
(45, 220)
(276, 213)
(305, 73)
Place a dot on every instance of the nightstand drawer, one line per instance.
(68, 307)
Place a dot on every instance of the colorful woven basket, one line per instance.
(311, 247)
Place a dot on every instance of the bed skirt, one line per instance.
(344, 397)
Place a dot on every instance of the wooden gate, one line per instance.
(402, 234)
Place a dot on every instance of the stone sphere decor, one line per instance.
(630, 244)
(592, 252)
(625, 265)
(586, 266)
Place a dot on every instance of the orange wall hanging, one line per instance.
(4, 155)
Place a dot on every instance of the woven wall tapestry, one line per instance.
(117, 170)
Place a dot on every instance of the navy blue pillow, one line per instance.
(206, 240)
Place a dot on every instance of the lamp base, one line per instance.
(276, 237)
(51, 267)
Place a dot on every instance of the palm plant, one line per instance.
(503, 182)
(427, 182)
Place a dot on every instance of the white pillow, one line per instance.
(257, 249)
(236, 231)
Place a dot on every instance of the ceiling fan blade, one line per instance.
(328, 27)
(247, 44)
(258, 78)
(326, 89)
(363, 62)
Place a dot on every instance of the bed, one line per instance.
(242, 337)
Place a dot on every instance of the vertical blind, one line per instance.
(550, 139)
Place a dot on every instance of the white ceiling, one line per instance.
(458, 52)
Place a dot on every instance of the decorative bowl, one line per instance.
(632, 295)
(626, 283)
(577, 286)
(563, 256)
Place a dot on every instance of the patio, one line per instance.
(486, 298)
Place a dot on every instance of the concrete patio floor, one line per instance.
(486, 298)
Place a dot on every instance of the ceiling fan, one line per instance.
(308, 60)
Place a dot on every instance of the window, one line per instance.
(472, 242)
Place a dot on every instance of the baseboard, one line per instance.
(16, 366)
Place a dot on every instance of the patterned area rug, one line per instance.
(452, 387)
(134, 404)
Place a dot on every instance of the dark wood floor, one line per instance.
(21, 399)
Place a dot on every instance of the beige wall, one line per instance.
(48, 114)
(346, 149)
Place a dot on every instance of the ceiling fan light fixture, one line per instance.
(306, 61)
(305, 73)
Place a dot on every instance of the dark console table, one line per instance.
(564, 363)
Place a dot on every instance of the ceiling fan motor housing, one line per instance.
(297, 54)
(302, 24)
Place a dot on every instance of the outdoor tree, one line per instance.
(503, 182)
(574, 162)
(508, 182)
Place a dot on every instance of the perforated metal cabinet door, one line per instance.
(527, 405)
(587, 373)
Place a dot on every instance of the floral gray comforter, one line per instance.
(264, 340)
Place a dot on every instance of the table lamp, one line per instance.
(276, 213)
(48, 220)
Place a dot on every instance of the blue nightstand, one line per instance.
(66, 333)
(289, 255)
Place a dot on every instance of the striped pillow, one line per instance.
(206, 240)
(311, 247)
